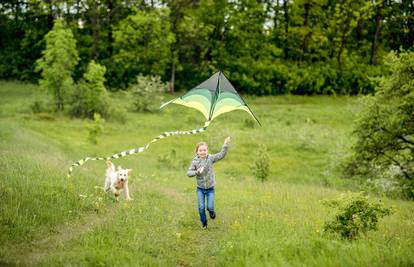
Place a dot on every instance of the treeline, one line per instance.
(265, 47)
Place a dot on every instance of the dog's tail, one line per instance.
(110, 165)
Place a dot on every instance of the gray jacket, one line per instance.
(206, 179)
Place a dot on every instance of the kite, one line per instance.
(212, 98)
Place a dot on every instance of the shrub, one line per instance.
(261, 167)
(249, 123)
(38, 106)
(118, 115)
(146, 91)
(90, 96)
(356, 214)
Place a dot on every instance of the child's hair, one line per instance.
(200, 144)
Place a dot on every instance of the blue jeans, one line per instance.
(201, 195)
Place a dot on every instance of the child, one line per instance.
(202, 168)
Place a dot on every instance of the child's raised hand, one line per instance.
(227, 141)
(200, 170)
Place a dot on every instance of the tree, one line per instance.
(192, 42)
(142, 44)
(385, 130)
(57, 63)
(90, 96)
(346, 15)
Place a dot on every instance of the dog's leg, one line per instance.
(115, 192)
(127, 191)
(107, 185)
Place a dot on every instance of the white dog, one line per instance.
(117, 180)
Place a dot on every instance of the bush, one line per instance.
(356, 214)
(39, 106)
(329, 79)
(118, 115)
(90, 96)
(261, 167)
(146, 91)
(96, 129)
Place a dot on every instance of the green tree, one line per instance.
(346, 15)
(244, 47)
(90, 96)
(57, 63)
(385, 130)
(142, 44)
(192, 42)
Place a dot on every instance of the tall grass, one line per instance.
(49, 220)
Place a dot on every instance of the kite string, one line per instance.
(138, 149)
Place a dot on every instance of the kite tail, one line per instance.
(138, 149)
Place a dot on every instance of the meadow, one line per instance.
(47, 219)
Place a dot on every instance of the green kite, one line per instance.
(213, 97)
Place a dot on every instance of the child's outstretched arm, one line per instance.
(223, 152)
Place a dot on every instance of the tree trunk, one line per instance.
(95, 31)
(276, 20)
(375, 41)
(286, 15)
(110, 36)
(172, 82)
(307, 36)
(344, 33)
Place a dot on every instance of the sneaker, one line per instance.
(205, 225)
(212, 215)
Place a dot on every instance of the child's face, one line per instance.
(202, 151)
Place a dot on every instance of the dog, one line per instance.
(117, 180)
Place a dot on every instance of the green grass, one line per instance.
(49, 220)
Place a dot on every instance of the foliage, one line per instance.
(327, 79)
(265, 47)
(145, 91)
(118, 114)
(385, 128)
(96, 128)
(57, 64)
(261, 166)
(90, 95)
(39, 106)
(142, 45)
(356, 214)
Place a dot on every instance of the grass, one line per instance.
(49, 220)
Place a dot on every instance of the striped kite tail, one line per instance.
(138, 149)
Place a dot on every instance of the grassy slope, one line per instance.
(49, 220)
